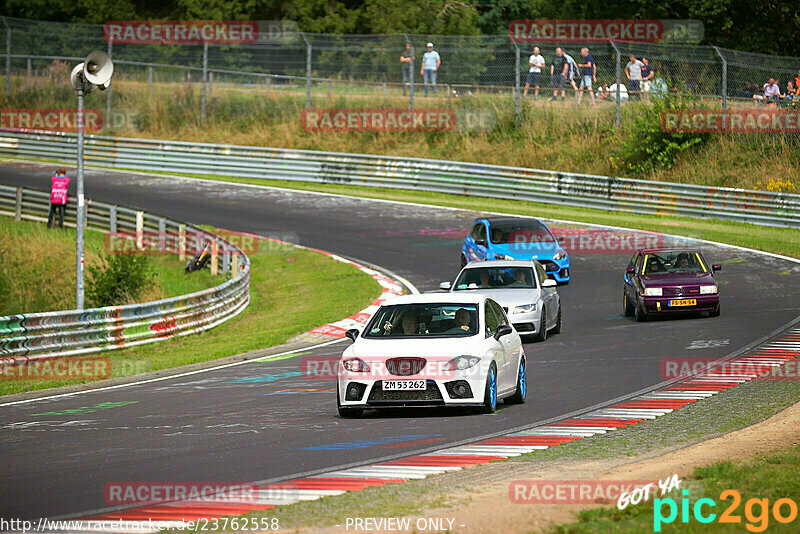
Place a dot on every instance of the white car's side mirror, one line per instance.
(445, 286)
(549, 283)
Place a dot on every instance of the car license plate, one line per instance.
(403, 385)
(683, 302)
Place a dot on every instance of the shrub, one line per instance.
(648, 147)
(119, 280)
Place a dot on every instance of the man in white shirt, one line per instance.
(430, 65)
(633, 71)
(536, 63)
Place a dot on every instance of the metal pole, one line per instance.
(516, 83)
(410, 74)
(149, 77)
(81, 211)
(724, 79)
(308, 70)
(205, 77)
(619, 81)
(30, 68)
(107, 122)
(8, 58)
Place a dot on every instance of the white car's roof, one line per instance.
(499, 263)
(444, 298)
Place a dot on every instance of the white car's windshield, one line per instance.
(495, 278)
(424, 320)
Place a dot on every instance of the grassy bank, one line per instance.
(551, 135)
(38, 269)
(289, 295)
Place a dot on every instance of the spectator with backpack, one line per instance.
(59, 184)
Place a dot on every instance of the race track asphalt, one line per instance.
(239, 424)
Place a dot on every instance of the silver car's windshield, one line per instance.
(423, 321)
(496, 278)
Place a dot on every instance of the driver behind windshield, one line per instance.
(463, 318)
(520, 278)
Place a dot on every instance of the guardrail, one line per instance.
(473, 179)
(33, 336)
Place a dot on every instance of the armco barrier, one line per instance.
(474, 179)
(66, 333)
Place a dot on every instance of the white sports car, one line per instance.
(521, 287)
(432, 350)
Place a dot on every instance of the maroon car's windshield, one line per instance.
(679, 261)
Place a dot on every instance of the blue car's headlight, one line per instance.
(560, 255)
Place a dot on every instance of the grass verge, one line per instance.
(38, 269)
(288, 296)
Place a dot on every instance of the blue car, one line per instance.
(516, 238)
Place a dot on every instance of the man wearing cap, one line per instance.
(430, 64)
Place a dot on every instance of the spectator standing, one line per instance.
(430, 66)
(405, 65)
(59, 184)
(588, 74)
(572, 72)
(536, 63)
(647, 76)
(558, 73)
(633, 71)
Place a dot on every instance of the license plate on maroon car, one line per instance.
(683, 302)
(404, 385)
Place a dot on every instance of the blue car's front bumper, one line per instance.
(557, 269)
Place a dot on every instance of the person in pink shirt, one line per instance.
(59, 184)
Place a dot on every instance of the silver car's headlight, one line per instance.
(525, 308)
(461, 362)
(652, 292)
(560, 255)
(709, 290)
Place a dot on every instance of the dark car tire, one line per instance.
(347, 413)
(639, 313)
(716, 312)
(627, 304)
(490, 391)
(542, 334)
(522, 385)
(463, 261)
(557, 328)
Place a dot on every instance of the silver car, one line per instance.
(522, 288)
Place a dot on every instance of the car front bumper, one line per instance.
(439, 392)
(704, 303)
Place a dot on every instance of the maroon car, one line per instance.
(668, 281)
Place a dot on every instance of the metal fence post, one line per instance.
(619, 81)
(162, 235)
(30, 68)
(112, 219)
(234, 264)
(107, 121)
(205, 79)
(308, 70)
(226, 258)
(410, 74)
(724, 89)
(149, 76)
(8, 58)
(517, 82)
(18, 205)
(182, 242)
(211, 82)
(139, 229)
(268, 83)
(214, 253)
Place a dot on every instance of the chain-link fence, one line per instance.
(192, 83)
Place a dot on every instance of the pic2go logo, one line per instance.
(756, 511)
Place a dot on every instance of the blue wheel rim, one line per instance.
(523, 385)
(492, 387)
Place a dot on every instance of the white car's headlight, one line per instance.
(652, 292)
(560, 255)
(709, 290)
(503, 257)
(355, 365)
(461, 362)
(525, 308)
